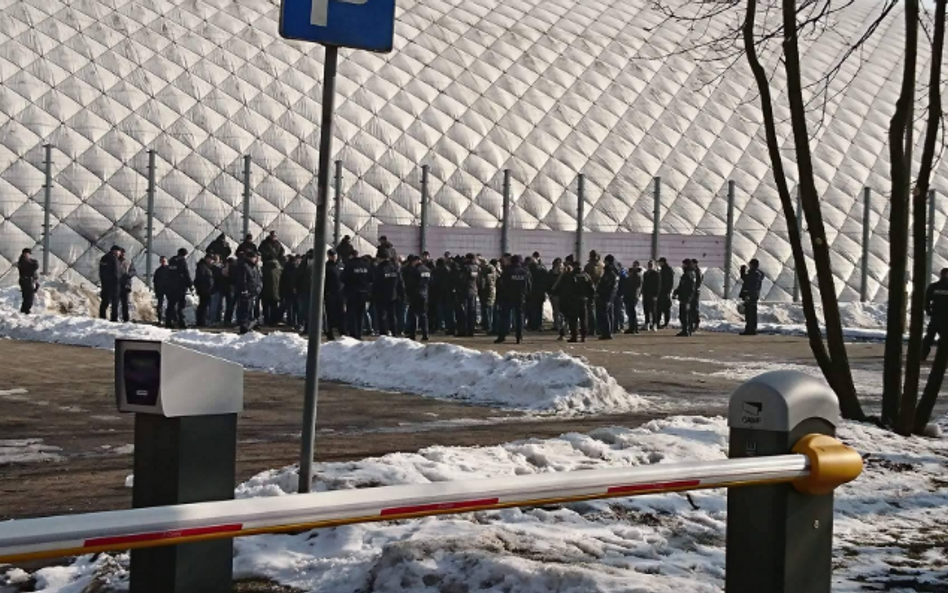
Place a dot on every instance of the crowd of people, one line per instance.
(384, 294)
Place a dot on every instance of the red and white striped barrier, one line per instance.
(139, 528)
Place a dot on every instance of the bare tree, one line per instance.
(760, 26)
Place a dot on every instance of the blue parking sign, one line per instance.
(359, 24)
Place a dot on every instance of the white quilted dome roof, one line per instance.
(546, 88)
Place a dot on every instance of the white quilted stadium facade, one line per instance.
(545, 88)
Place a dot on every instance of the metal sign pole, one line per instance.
(47, 204)
(150, 236)
(729, 239)
(337, 215)
(315, 326)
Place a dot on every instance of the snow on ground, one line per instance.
(27, 451)
(861, 321)
(544, 382)
(889, 523)
(68, 298)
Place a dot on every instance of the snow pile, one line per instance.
(68, 298)
(27, 451)
(544, 382)
(888, 530)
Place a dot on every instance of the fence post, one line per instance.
(337, 222)
(729, 239)
(656, 218)
(505, 222)
(580, 215)
(930, 248)
(778, 413)
(246, 196)
(47, 203)
(423, 235)
(796, 273)
(864, 276)
(150, 228)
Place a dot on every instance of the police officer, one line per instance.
(667, 286)
(161, 282)
(332, 293)
(417, 282)
(651, 286)
(685, 293)
(248, 284)
(516, 284)
(605, 298)
(576, 289)
(178, 285)
(110, 278)
(631, 289)
(357, 280)
(29, 279)
(936, 305)
(467, 293)
(204, 286)
(247, 245)
(388, 288)
(750, 292)
(445, 295)
(487, 294)
(696, 299)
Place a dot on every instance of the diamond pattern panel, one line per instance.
(546, 88)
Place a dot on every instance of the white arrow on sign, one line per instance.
(319, 15)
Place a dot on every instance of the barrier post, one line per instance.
(729, 239)
(580, 214)
(150, 225)
(246, 229)
(423, 233)
(337, 215)
(779, 539)
(796, 273)
(930, 246)
(505, 221)
(656, 218)
(864, 269)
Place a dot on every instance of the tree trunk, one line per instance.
(786, 201)
(810, 200)
(932, 388)
(901, 171)
(908, 419)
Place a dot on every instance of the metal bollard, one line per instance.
(780, 536)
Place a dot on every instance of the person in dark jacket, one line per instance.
(685, 293)
(247, 246)
(28, 269)
(469, 272)
(288, 303)
(221, 287)
(229, 270)
(665, 293)
(576, 289)
(487, 293)
(605, 298)
(936, 306)
(386, 250)
(445, 293)
(128, 274)
(204, 287)
(631, 289)
(161, 282)
(417, 279)
(750, 292)
(110, 278)
(179, 283)
(272, 250)
(651, 286)
(345, 250)
(304, 284)
(335, 302)
(220, 247)
(696, 299)
(388, 288)
(272, 273)
(516, 284)
(357, 280)
(538, 278)
(248, 284)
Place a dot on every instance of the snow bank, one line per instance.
(887, 523)
(545, 382)
(68, 298)
(861, 321)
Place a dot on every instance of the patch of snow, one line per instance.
(27, 451)
(887, 523)
(546, 382)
